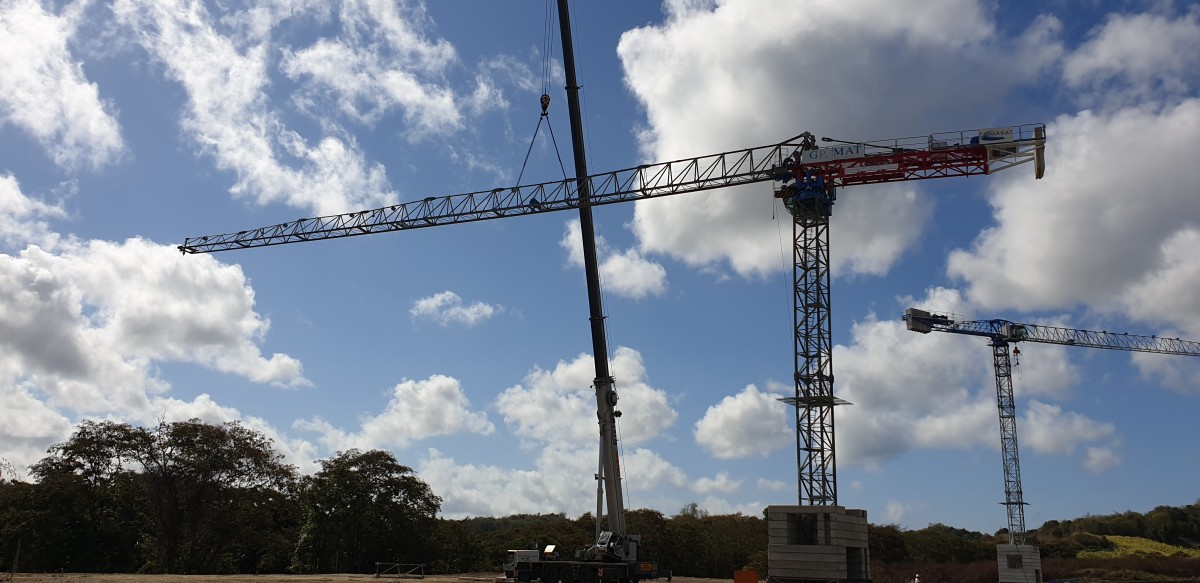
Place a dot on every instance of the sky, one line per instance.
(128, 125)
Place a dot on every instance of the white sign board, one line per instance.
(833, 153)
(995, 135)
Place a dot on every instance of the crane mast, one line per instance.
(811, 179)
(1002, 333)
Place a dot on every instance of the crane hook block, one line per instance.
(545, 103)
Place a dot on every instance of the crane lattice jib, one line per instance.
(1017, 332)
(933, 156)
(746, 166)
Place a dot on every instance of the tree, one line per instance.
(886, 543)
(87, 504)
(208, 484)
(363, 507)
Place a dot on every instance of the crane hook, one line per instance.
(545, 103)
(1016, 356)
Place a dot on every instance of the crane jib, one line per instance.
(917, 158)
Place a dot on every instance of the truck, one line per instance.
(602, 562)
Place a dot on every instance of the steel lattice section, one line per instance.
(1014, 502)
(813, 400)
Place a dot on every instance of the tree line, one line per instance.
(192, 497)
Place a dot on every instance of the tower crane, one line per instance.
(810, 177)
(1002, 333)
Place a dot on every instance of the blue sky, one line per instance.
(126, 126)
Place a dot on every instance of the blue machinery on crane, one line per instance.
(1001, 334)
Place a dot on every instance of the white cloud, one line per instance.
(447, 308)
(1174, 372)
(722, 484)
(1076, 237)
(1100, 459)
(747, 424)
(45, 91)
(229, 117)
(86, 325)
(366, 84)
(702, 98)
(896, 512)
(553, 483)
(626, 273)
(1047, 429)
(560, 405)
(1136, 57)
(771, 485)
(21, 217)
(27, 425)
(417, 410)
(1160, 296)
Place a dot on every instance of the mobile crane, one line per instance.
(818, 173)
(1002, 333)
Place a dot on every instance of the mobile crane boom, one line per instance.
(1001, 333)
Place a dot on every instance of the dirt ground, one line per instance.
(331, 578)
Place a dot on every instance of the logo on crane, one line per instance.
(995, 135)
(833, 153)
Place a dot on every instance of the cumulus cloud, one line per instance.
(1048, 429)
(84, 326)
(22, 219)
(377, 64)
(626, 273)
(722, 484)
(700, 98)
(771, 485)
(551, 483)
(559, 405)
(417, 410)
(1075, 238)
(229, 117)
(750, 423)
(896, 512)
(1135, 57)
(87, 324)
(447, 308)
(45, 91)
(1100, 459)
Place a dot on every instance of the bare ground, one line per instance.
(329, 578)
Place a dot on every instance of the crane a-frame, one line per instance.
(814, 169)
(1002, 333)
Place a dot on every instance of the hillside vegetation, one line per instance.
(1136, 546)
(194, 498)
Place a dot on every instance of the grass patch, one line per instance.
(1134, 546)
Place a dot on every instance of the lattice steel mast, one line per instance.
(1002, 333)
